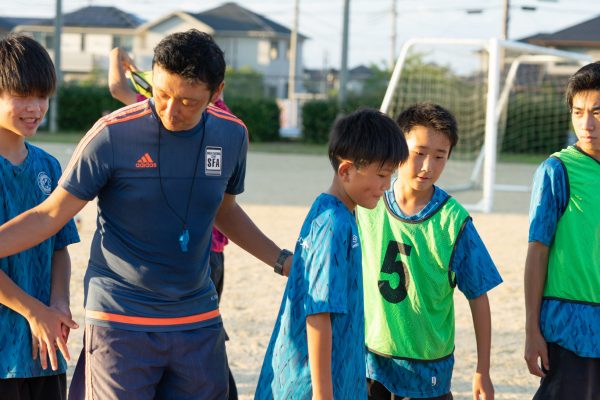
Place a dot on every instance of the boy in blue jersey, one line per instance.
(34, 284)
(562, 270)
(164, 171)
(317, 347)
(418, 245)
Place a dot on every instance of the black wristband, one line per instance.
(283, 255)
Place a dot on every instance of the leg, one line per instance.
(197, 367)
(233, 394)
(217, 270)
(376, 391)
(123, 364)
(77, 386)
(570, 376)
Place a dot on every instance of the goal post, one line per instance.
(508, 98)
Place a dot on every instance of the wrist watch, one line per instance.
(283, 255)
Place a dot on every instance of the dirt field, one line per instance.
(279, 189)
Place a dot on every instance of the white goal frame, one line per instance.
(496, 101)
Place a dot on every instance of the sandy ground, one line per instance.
(279, 189)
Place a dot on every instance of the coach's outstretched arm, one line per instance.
(233, 221)
(39, 223)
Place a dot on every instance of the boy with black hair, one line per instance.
(562, 270)
(317, 346)
(34, 284)
(163, 170)
(418, 245)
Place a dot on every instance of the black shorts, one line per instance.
(570, 376)
(53, 387)
(379, 392)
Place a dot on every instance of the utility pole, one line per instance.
(505, 19)
(293, 53)
(57, 36)
(394, 16)
(344, 66)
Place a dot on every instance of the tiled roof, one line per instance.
(587, 31)
(232, 17)
(96, 17)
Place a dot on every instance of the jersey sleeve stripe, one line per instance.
(148, 321)
(227, 116)
(125, 114)
(89, 136)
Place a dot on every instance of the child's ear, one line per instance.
(344, 170)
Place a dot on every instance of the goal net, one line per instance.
(508, 99)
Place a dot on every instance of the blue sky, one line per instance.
(321, 20)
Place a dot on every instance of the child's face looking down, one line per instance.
(22, 115)
(428, 152)
(365, 186)
(585, 116)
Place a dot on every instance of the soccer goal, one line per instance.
(508, 98)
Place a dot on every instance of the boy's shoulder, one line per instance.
(328, 209)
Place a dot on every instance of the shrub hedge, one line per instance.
(80, 106)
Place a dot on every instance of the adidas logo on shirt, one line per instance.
(145, 162)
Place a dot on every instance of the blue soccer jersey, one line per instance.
(326, 277)
(23, 187)
(574, 326)
(475, 274)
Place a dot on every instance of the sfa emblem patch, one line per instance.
(44, 183)
(213, 161)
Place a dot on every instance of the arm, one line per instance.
(119, 62)
(536, 268)
(237, 226)
(39, 223)
(482, 322)
(318, 333)
(59, 291)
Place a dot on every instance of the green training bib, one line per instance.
(574, 258)
(408, 285)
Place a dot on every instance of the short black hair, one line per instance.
(586, 78)
(364, 137)
(25, 67)
(430, 115)
(193, 55)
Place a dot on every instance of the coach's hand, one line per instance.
(48, 334)
(536, 348)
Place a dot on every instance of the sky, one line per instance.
(370, 20)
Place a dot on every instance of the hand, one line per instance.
(126, 61)
(287, 265)
(536, 348)
(63, 308)
(483, 389)
(47, 334)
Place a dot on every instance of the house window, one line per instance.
(48, 41)
(83, 42)
(125, 42)
(274, 52)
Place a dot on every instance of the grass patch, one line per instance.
(287, 147)
(522, 158)
(59, 137)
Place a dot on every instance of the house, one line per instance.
(8, 24)
(581, 38)
(324, 81)
(248, 39)
(88, 35)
